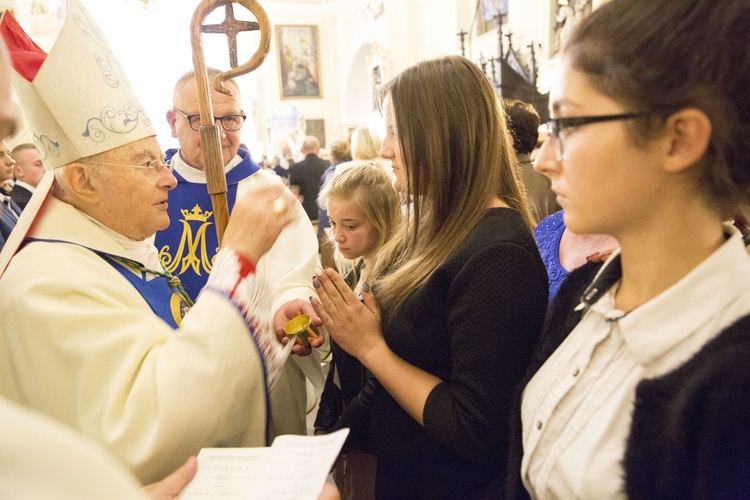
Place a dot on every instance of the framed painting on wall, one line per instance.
(316, 128)
(299, 67)
(491, 9)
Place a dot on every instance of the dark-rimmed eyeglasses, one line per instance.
(230, 123)
(156, 166)
(557, 125)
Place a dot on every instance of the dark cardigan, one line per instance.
(473, 324)
(690, 434)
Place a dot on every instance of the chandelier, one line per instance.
(373, 9)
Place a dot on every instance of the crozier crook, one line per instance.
(210, 142)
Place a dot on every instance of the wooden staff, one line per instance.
(210, 141)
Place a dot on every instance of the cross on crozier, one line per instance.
(230, 27)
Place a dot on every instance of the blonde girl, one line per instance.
(363, 209)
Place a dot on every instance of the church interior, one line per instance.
(348, 49)
(352, 251)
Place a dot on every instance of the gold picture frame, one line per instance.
(299, 61)
(316, 128)
(490, 9)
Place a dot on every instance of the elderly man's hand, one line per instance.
(171, 486)
(288, 311)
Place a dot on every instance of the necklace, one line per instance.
(174, 281)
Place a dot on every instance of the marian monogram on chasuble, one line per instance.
(192, 251)
(188, 247)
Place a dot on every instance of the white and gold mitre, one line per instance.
(78, 102)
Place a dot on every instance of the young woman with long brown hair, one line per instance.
(461, 286)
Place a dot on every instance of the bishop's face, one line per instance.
(133, 201)
(186, 100)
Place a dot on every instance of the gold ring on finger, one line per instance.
(279, 206)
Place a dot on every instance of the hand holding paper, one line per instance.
(293, 467)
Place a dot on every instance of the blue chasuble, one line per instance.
(188, 247)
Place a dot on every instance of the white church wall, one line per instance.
(326, 107)
(412, 30)
(357, 90)
(406, 32)
(360, 40)
(153, 63)
(437, 29)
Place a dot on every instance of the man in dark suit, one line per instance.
(523, 127)
(304, 176)
(282, 172)
(10, 210)
(29, 171)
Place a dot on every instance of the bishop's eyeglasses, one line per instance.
(230, 123)
(156, 166)
(557, 126)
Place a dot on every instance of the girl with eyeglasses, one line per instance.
(640, 386)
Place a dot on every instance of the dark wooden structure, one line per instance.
(518, 81)
(512, 78)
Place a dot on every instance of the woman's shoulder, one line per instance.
(696, 421)
(500, 231)
(550, 228)
(722, 359)
(713, 386)
(500, 241)
(501, 225)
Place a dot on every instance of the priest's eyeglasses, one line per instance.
(156, 166)
(557, 126)
(231, 123)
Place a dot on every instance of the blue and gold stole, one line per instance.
(164, 294)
